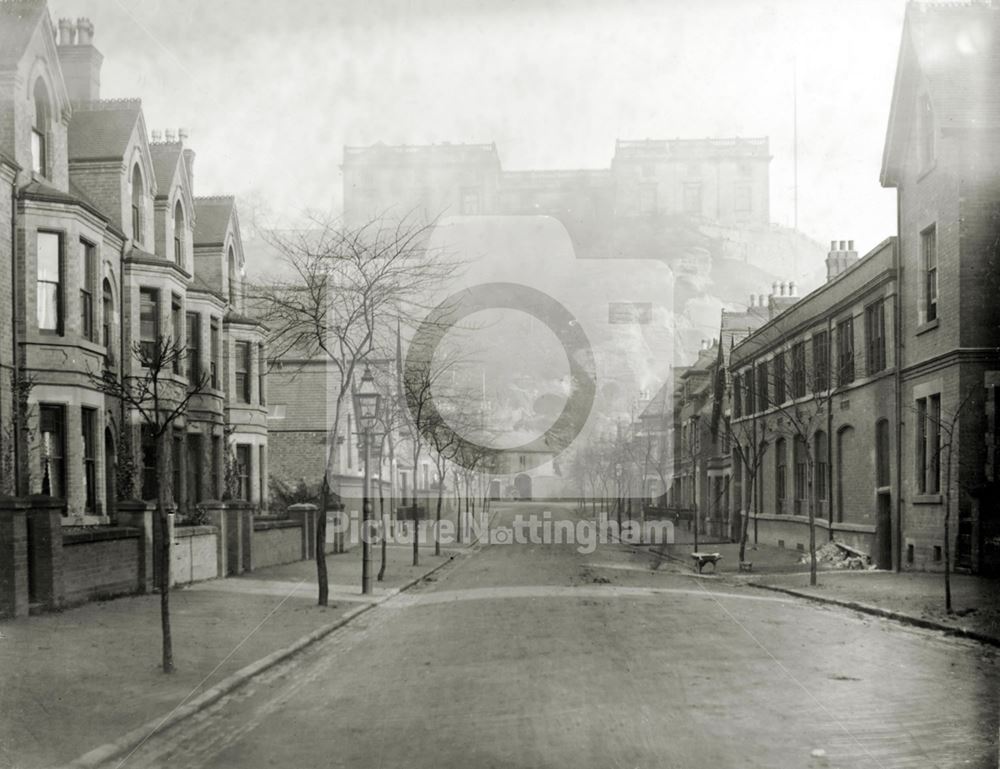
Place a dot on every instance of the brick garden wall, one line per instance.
(276, 542)
(100, 565)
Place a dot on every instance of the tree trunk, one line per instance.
(812, 522)
(437, 521)
(162, 515)
(947, 535)
(745, 523)
(381, 517)
(322, 579)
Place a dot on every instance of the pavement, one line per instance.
(916, 598)
(77, 680)
(521, 655)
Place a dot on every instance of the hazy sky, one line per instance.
(271, 91)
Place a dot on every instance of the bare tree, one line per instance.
(160, 399)
(344, 291)
(749, 443)
(946, 426)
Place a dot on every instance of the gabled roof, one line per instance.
(102, 130)
(212, 217)
(18, 21)
(166, 156)
(954, 49)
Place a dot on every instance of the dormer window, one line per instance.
(40, 129)
(926, 128)
(179, 234)
(136, 204)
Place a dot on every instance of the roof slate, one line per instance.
(166, 156)
(103, 133)
(18, 20)
(211, 219)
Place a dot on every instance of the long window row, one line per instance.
(772, 382)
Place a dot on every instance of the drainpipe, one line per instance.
(15, 352)
(897, 319)
(829, 428)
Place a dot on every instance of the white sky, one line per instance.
(270, 92)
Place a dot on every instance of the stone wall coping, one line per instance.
(283, 524)
(194, 531)
(226, 504)
(303, 506)
(73, 536)
(32, 502)
(821, 523)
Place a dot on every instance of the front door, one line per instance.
(883, 532)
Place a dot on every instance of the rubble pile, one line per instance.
(840, 556)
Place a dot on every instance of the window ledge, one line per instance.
(927, 499)
(929, 325)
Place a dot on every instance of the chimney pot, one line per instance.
(833, 245)
(169, 134)
(791, 288)
(182, 134)
(843, 246)
(774, 288)
(84, 31)
(783, 287)
(67, 31)
(850, 245)
(760, 301)
(753, 300)
(157, 136)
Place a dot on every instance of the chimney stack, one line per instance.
(840, 258)
(79, 60)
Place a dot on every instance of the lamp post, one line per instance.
(366, 405)
(377, 438)
(618, 496)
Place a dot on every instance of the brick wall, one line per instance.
(276, 542)
(100, 568)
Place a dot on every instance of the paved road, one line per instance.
(539, 656)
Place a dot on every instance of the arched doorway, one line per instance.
(110, 472)
(522, 485)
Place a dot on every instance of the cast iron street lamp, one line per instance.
(366, 405)
(618, 496)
